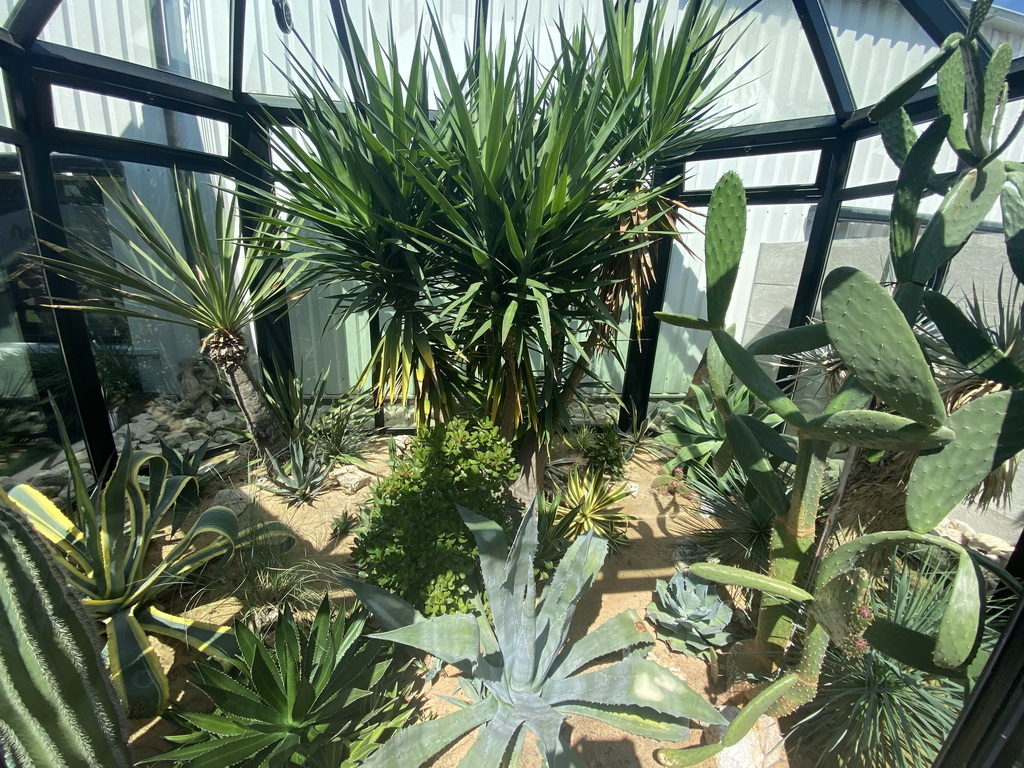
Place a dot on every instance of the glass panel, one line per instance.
(110, 116)
(5, 110)
(1005, 24)
(773, 257)
(782, 82)
(272, 53)
(151, 370)
(31, 364)
(871, 163)
(6, 7)
(187, 37)
(756, 171)
(879, 43)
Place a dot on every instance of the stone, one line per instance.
(351, 479)
(58, 477)
(990, 545)
(403, 443)
(194, 427)
(177, 439)
(232, 498)
(223, 436)
(634, 489)
(194, 445)
(761, 748)
(153, 448)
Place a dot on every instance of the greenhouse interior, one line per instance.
(493, 383)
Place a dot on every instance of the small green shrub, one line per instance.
(412, 540)
(604, 452)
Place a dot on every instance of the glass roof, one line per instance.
(878, 41)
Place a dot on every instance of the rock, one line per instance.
(56, 477)
(49, 491)
(232, 498)
(153, 448)
(991, 545)
(350, 479)
(177, 439)
(950, 533)
(403, 443)
(194, 445)
(194, 427)
(223, 436)
(761, 748)
(634, 489)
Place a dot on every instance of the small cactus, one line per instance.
(692, 617)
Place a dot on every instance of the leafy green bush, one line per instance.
(412, 540)
(604, 451)
(323, 697)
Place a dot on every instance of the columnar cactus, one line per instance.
(57, 706)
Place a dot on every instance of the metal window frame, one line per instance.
(32, 67)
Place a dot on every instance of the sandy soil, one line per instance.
(626, 582)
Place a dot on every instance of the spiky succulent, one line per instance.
(691, 617)
(322, 697)
(520, 674)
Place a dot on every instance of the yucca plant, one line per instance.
(104, 548)
(498, 226)
(210, 282)
(57, 706)
(520, 675)
(590, 503)
(323, 697)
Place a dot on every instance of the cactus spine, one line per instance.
(56, 704)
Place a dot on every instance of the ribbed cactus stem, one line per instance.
(793, 545)
(56, 704)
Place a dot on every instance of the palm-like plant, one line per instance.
(211, 282)
(494, 229)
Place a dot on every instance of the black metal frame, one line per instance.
(32, 68)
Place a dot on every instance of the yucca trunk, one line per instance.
(230, 353)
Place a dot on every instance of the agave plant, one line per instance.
(212, 283)
(699, 434)
(691, 617)
(520, 675)
(326, 697)
(590, 503)
(301, 477)
(103, 548)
